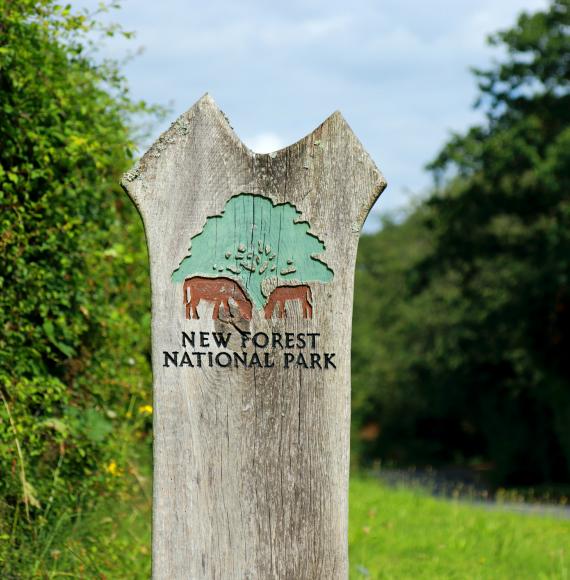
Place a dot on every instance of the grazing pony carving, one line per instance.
(282, 294)
(216, 290)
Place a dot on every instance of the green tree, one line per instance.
(259, 242)
(502, 235)
(386, 399)
(73, 283)
(485, 330)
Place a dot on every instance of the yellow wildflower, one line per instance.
(145, 409)
(112, 468)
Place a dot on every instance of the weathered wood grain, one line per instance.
(251, 464)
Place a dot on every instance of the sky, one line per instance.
(398, 70)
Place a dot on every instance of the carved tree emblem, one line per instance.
(265, 248)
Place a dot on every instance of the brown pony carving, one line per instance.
(216, 290)
(282, 294)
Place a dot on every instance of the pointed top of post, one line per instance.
(204, 108)
(205, 125)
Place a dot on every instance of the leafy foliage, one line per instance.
(485, 325)
(73, 286)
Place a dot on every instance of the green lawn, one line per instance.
(394, 533)
(404, 533)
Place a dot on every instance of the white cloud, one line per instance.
(397, 69)
(265, 142)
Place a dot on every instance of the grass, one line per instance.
(403, 533)
(394, 533)
(111, 542)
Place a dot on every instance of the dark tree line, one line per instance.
(462, 311)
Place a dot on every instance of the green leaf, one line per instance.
(48, 327)
(95, 426)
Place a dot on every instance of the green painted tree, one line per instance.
(258, 242)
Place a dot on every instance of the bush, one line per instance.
(74, 349)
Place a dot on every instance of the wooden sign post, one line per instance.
(252, 265)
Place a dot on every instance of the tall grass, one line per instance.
(394, 533)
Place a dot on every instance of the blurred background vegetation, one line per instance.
(461, 316)
(462, 311)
